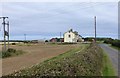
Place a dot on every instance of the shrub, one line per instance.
(5, 54)
(13, 43)
(11, 52)
(108, 41)
(115, 42)
(46, 41)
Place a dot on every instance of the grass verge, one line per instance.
(10, 53)
(70, 52)
(108, 69)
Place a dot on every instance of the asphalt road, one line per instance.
(113, 55)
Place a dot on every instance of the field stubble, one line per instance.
(87, 62)
(36, 53)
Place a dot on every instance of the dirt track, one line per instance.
(36, 54)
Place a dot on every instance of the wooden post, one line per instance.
(8, 32)
(95, 28)
(4, 24)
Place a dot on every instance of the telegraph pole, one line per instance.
(60, 37)
(60, 34)
(95, 27)
(4, 24)
(25, 38)
(8, 32)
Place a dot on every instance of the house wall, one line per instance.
(69, 39)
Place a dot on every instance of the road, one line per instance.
(113, 55)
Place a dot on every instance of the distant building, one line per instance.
(72, 36)
(57, 40)
(53, 40)
(34, 41)
(37, 41)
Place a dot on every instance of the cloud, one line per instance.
(59, 1)
(50, 18)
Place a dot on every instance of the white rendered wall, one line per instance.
(71, 39)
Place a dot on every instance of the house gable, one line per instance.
(71, 36)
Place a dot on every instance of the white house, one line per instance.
(72, 36)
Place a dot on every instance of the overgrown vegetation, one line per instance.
(11, 52)
(113, 42)
(98, 39)
(76, 62)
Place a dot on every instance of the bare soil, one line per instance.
(35, 54)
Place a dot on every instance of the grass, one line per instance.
(10, 53)
(69, 53)
(76, 62)
(108, 69)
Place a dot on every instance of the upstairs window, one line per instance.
(69, 36)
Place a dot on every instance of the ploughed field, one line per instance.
(79, 60)
(35, 53)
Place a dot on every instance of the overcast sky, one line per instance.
(44, 20)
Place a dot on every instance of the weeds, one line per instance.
(10, 52)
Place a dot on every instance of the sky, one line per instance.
(45, 20)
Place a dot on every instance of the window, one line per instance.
(69, 36)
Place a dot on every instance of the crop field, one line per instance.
(35, 53)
